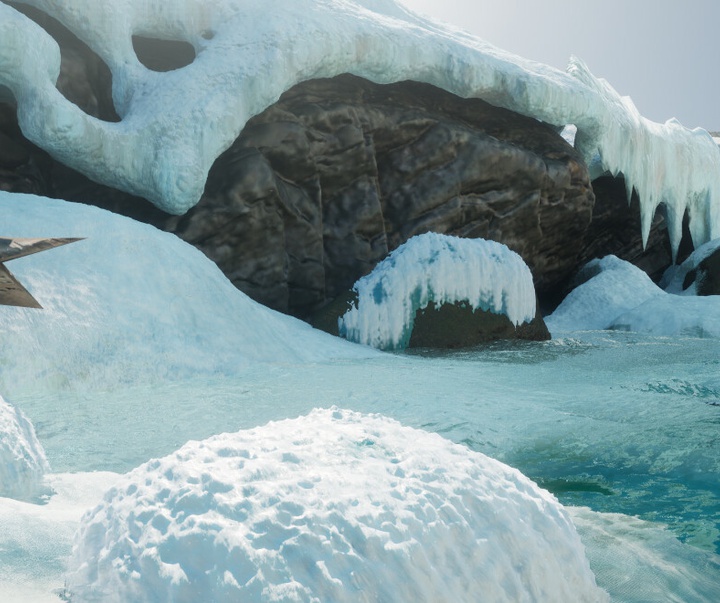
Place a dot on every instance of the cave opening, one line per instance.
(85, 79)
(163, 55)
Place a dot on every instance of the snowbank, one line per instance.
(175, 124)
(334, 506)
(129, 303)
(22, 458)
(442, 269)
(618, 295)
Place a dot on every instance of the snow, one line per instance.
(36, 539)
(620, 296)
(442, 269)
(332, 506)
(22, 458)
(175, 124)
(131, 304)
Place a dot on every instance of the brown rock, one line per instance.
(458, 326)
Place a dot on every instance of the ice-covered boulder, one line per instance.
(614, 294)
(697, 275)
(333, 506)
(173, 125)
(441, 269)
(22, 458)
(605, 288)
(129, 303)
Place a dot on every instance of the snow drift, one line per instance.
(175, 124)
(442, 269)
(132, 302)
(22, 458)
(332, 506)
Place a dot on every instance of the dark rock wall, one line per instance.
(321, 186)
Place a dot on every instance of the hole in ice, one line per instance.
(208, 34)
(163, 55)
(85, 79)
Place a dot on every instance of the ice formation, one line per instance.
(333, 506)
(618, 295)
(132, 301)
(443, 269)
(22, 458)
(175, 124)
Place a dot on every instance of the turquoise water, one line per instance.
(617, 422)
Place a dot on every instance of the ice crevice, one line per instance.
(175, 124)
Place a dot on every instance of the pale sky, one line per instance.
(664, 54)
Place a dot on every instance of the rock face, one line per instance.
(321, 186)
(458, 326)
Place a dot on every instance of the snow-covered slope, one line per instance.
(442, 269)
(175, 124)
(333, 506)
(22, 458)
(131, 302)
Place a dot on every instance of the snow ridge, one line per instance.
(175, 124)
(442, 269)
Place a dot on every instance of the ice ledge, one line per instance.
(175, 124)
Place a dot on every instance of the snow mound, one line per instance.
(131, 303)
(333, 506)
(620, 296)
(442, 269)
(175, 124)
(22, 458)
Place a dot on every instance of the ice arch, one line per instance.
(175, 124)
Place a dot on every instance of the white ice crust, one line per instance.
(131, 303)
(442, 269)
(175, 124)
(333, 506)
(618, 295)
(22, 458)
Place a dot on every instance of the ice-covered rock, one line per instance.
(128, 302)
(617, 295)
(441, 269)
(333, 506)
(175, 124)
(699, 274)
(22, 458)
(608, 287)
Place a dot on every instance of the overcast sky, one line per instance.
(662, 53)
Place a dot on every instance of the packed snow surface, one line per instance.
(618, 295)
(175, 124)
(332, 506)
(442, 269)
(22, 458)
(131, 303)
